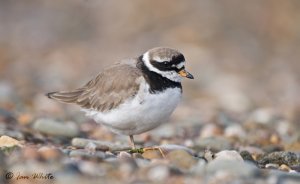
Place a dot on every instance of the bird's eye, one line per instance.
(165, 62)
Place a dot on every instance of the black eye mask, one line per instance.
(169, 65)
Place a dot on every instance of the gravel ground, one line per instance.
(177, 152)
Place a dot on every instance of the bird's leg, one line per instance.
(133, 148)
(142, 150)
(132, 142)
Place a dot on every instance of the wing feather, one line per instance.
(106, 91)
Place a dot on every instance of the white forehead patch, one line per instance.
(160, 60)
(180, 65)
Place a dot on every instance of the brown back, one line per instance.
(107, 91)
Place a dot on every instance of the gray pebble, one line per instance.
(231, 155)
(213, 143)
(248, 157)
(86, 154)
(55, 128)
(165, 131)
(236, 168)
(159, 173)
(11, 133)
(235, 131)
(92, 169)
(199, 167)
(280, 157)
(142, 162)
(102, 145)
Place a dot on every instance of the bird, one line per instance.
(134, 95)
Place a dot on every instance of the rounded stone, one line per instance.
(181, 159)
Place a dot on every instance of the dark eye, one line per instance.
(165, 62)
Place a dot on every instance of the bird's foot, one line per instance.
(143, 150)
(137, 150)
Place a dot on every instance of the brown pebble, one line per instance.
(49, 153)
(30, 153)
(6, 141)
(181, 159)
(25, 119)
(275, 139)
(152, 154)
(294, 146)
(284, 167)
(210, 130)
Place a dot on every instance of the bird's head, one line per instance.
(166, 62)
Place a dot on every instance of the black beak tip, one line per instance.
(190, 76)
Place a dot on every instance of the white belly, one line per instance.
(140, 114)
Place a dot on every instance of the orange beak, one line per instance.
(184, 73)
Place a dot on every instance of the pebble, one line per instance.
(296, 168)
(272, 148)
(262, 115)
(189, 143)
(284, 167)
(208, 155)
(283, 127)
(91, 147)
(213, 143)
(280, 157)
(248, 157)
(159, 173)
(101, 145)
(6, 91)
(92, 169)
(128, 165)
(142, 163)
(123, 155)
(11, 133)
(294, 146)
(166, 148)
(235, 131)
(181, 159)
(152, 154)
(271, 166)
(137, 155)
(30, 153)
(82, 153)
(6, 141)
(230, 155)
(252, 150)
(199, 167)
(159, 152)
(234, 167)
(163, 132)
(210, 130)
(55, 128)
(49, 153)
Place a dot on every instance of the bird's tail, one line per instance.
(65, 96)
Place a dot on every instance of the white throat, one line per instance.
(172, 75)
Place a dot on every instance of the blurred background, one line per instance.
(244, 55)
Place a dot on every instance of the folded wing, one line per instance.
(105, 92)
